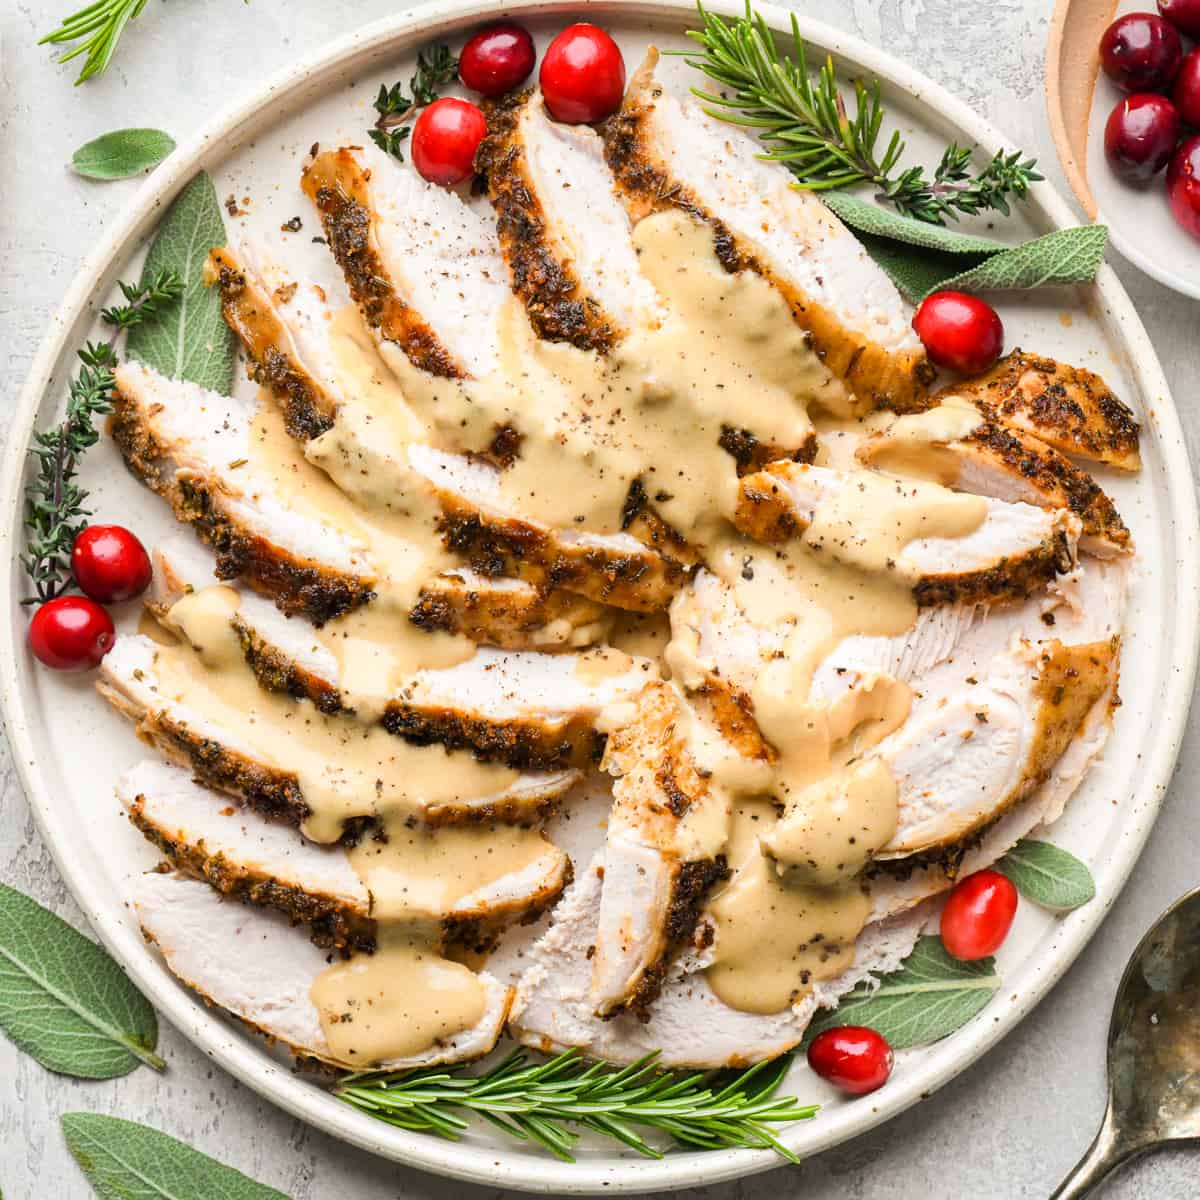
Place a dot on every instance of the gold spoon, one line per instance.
(1153, 1051)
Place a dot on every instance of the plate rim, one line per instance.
(500, 1166)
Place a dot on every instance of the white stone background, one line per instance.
(1011, 1125)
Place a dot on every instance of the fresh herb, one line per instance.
(122, 153)
(806, 126)
(191, 340)
(1048, 875)
(921, 258)
(926, 999)
(54, 501)
(126, 1161)
(539, 1101)
(64, 1001)
(98, 29)
(436, 66)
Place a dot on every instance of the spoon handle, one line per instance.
(1105, 1153)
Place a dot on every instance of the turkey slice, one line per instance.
(422, 263)
(667, 153)
(250, 963)
(1013, 551)
(230, 760)
(528, 709)
(960, 447)
(272, 865)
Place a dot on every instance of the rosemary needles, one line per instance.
(540, 1101)
(97, 29)
(805, 124)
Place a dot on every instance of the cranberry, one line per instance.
(1140, 135)
(110, 564)
(71, 633)
(1140, 52)
(1186, 92)
(1183, 185)
(959, 331)
(856, 1059)
(978, 915)
(445, 138)
(583, 75)
(497, 59)
(1183, 14)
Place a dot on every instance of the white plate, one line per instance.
(69, 747)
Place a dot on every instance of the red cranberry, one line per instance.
(497, 59)
(959, 331)
(1183, 14)
(110, 564)
(1140, 52)
(978, 915)
(856, 1059)
(582, 75)
(1183, 185)
(71, 633)
(1186, 92)
(1140, 135)
(445, 138)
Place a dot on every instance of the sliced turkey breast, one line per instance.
(524, 708)
(192, 447)
(670, 154)
(615, 569)
(1069, 408)
(662, 850)
(688, 1025)
(248, 962)
(566, 236)
(1013, 551)
(228, 760)
(960, 447)
(274, 866)
(422, 263)
(254, 309)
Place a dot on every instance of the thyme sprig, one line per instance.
(54, 501)
(98, 29)
(708, 1110)
(805, 124)
(436, 67)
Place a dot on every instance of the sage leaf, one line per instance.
(64, 1001)
(864, 217)
(190, 339)
(926, 999)
(916, 273)
(1048, 875)
(1066, 256)
(122, 153)
(126, 1161)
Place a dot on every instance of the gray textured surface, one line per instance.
(1010, 1126)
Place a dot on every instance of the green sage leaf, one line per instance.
(122, 153)
(928, 998)
(915, 272)
(64, 1001)
(1048, 875)
(190, 340)
(864, 217)
(1061, 258)
(126, 1161)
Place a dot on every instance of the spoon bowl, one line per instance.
(1153, 1050)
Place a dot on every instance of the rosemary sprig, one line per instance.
(98, 29)
(805, 124)
(436, 66)
(54, 502)
(539, 1101)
